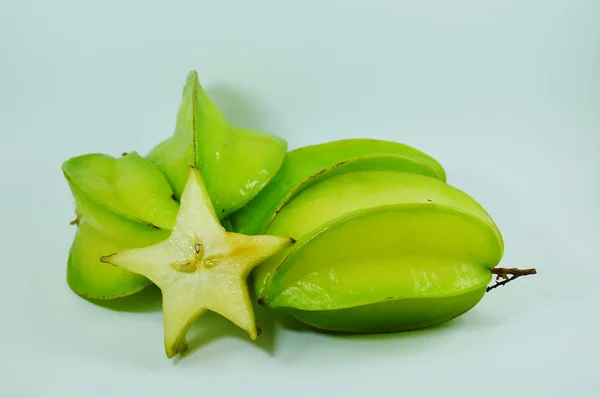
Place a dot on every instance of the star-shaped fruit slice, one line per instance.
(200, 267)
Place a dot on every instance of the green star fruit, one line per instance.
(306, 166)
(379, 251)
(236, 162)
(120, 203)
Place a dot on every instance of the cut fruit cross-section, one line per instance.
(200, 266)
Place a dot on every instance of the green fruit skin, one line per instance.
(389, 316)
(408, 255)
(129, 186)
(309, 165)
(89, 277)
(375, 277)
(101, 232)
(236, 162)
(110, 194)
(350, 192)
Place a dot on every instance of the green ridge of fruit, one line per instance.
(393, 243)
(236, 162)
(309, 165)
(120, 203)
(129, 186)
(89, 277)
(340, 195)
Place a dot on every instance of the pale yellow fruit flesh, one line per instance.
(200, 266)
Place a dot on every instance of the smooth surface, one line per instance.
(129, 185)
(390, 316)
(504, 93)
(439, 251)
(237, 162)
(317, 208)
(347, 193)
(89, 277)
(311, 164)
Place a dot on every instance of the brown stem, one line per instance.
(502, 273)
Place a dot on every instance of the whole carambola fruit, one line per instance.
(121, 203)
(236, 162)
(308, 165)
(380, 251)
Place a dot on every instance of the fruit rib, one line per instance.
(387, 269)
(306, 166)
(312, 209)
(409, 250)
(120, 203)
(389, 316)
(236, 162)
(398, 251)
(200, 266)
(89, 277)
(130, 187)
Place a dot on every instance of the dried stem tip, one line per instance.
(503, 273)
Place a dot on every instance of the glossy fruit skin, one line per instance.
(309, 165)
(380, 261)
(129, 186)
(324, 202)
(236, 162)
(389, 316)
(103, 188)
(89, 277)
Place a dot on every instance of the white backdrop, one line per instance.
(505, 94)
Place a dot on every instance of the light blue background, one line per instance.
(505, 94)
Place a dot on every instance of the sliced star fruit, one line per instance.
(120, 203)
(380, 251)
(309, 165)
(200, 266)
(236, 162)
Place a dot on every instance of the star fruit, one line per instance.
(120, 203)
(236, 162)
(311, 164)
(200, 266)
(396, 251)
